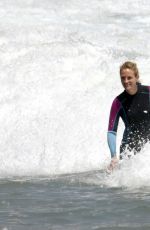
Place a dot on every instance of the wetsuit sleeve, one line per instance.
(113, 125)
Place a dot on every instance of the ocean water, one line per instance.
(59, 72)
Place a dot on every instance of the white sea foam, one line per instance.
(132, 173)
(59, 75)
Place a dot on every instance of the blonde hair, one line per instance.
(130, 65)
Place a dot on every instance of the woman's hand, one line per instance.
(113, 163)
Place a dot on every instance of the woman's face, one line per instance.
(129, 81)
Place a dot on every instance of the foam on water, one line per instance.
(59, 75)
(133, 173)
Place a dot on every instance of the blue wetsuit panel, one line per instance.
(111, 138)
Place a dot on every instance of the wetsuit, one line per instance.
(135, 113)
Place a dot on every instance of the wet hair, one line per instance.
(130, 65)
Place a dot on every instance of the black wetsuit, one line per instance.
(135, 113)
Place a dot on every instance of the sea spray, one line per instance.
(59, 75)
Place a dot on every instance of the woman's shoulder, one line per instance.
(119, 99)
(144, 88)
(122, 96)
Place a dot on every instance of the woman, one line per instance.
(133, 106)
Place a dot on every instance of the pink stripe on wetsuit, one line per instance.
(113, 120)
(113, 124)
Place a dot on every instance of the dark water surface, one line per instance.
(69, 202)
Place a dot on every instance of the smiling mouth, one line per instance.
(127, 86)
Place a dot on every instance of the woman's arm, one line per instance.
(113, 125)
(111, 139)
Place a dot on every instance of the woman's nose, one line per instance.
(125, 80)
